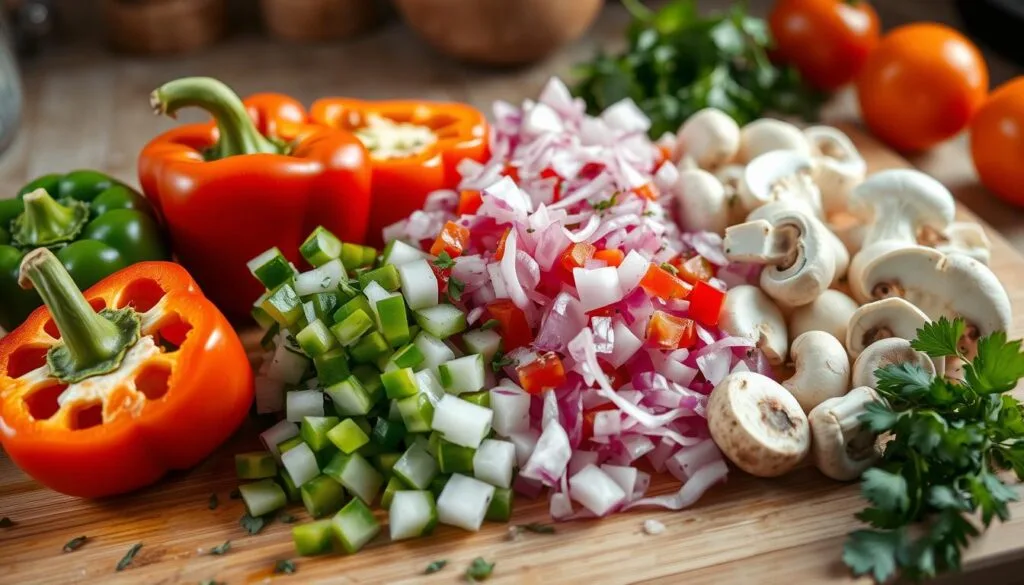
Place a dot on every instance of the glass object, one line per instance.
(10, 86)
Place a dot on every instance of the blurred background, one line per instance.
(87, 66)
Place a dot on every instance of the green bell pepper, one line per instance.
(95, 224)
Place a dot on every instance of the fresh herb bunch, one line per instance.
(678, 62)
(950, 440)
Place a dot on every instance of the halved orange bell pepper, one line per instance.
(415, 147)
(259, 176)
(100, 403)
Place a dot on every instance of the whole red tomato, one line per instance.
(997, 142)
(828, 41)
(921, 86)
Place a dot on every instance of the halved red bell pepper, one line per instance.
(246, 182)
(103, 393)
(415, 147)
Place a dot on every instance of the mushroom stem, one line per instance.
(842, 449)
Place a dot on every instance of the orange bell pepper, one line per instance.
(415, 147)
(666, 331)
(453, 239)
(544, 373)
(660, 283)
(232, 188)
(100, 403)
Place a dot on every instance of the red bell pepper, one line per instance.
(544, 373)
(415, 147)
(706, 304)
(103, 393)
(246, 182)
(512, 324)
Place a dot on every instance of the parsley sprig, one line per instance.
(951, 438)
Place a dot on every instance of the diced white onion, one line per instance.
(461, 422)
(300, 463)
(596, 491)
(464, 501)
(494, 462)
(303, 403)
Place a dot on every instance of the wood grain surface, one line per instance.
(749, 530)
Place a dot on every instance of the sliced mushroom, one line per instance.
(888, 352)
(701, 202)
(758, 424)
(842, 448)
(838, 167)
(961, 237)
(800, 263)
(822, 369)
(748, 312)
(781, 175)
(902, 202)
(710, 138)
(940, 285)
(891, 317)
(830, 312)
(770, 211)
(766, 135)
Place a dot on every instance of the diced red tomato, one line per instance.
(499, 253)
(576, 255)
(695, 269)
(453, 239)
(590, 415)
(661, 283)
(648, 191)
(512, 324)
(611, 256)
(544, 373)
(470, 201)
(706, 304)
(666, 331)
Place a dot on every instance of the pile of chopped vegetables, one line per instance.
(547, 326)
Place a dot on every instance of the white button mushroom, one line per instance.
(822, 369)
(731, 177)
(766, 135)
(830, 312)
(757, 424)
(902, 202)
(842, 256)
(781, 175)
(838, 167)
(710, 138)
(940, 285)
(891, 317)
(842, 448)
(887, 352)
(800, 263)
(748, 312)
(961, 237)
(701, 202)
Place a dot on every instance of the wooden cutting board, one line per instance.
(748, 530)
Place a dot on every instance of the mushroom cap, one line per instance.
(830, 312)
(701, 202)
(890, 317)
(748, 312)
(839, 167)
(907, 193)
(757, 424)
(710, 137)
(941, 285)
(781, 175)
(767, 134)
(890, 351)
(841, 448)
(961, 237)
(822, 369)
(842, 257)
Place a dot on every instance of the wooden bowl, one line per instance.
(163, 26)
(319, 20)
(499, 32)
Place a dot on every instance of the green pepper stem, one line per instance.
(237, 133)
(89, 338)
(44, 219)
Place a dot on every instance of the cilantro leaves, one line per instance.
(950, 437)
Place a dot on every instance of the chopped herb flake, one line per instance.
(252, 524)
(435, 566)
(74, 544)
(221, 549)
(444, 261)
(286, 518)
(500, 361)
(213, 502)
(538, 528)
(490, 324)
(129, 556)
(479, 570)
(284, 567)
(455, 288)
(6, 522)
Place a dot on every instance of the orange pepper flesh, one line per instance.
(512, 324)
(666, 331)
(660, 283)
(453, 239)
(542, 374)
(611, 256)
(188, 398)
